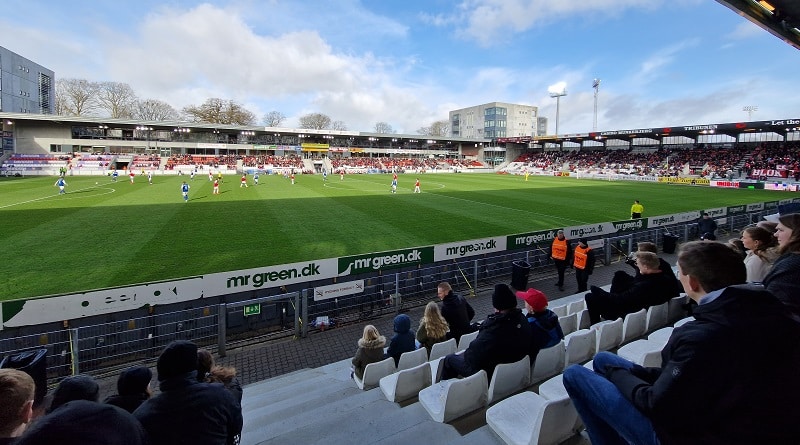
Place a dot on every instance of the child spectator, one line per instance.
(403, 339)
(432, 327)
(370, 350)
(545, 328)
(133, 388)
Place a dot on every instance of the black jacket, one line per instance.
(189, 412)
(545, 331)
(128, 402)
(81, 422)
(502, 338)
(783, 281)
(458, 313)
(729, 377)
(645, 291)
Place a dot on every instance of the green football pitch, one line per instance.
(102, 233)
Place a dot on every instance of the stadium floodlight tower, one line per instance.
(749, 109)
(558, 91)
(596, 86)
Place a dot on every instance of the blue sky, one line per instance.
(661, 62)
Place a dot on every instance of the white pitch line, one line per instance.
(58, 196)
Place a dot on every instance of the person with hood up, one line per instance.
(403, 339)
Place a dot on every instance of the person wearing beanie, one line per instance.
(503, 337)
(133, 388)
(545, 329)
(583, 262)
(76, 387)
(186, 410)
(403, 339)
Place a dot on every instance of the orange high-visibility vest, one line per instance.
(581, 255)
(559, 249)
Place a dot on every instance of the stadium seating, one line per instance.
(509, 378)
(528, 418)
(676, 310)
(642, 352)
(374, 372)
(683, 321)
(634, 325)
(465, 340)
(580, 345)
(609, 334)
(412, 359)
(569, 323)
(453, 398)
(549, 362)
(407, 383)
(560, 310)
(442, 349)
(656, 317)
(576, 306)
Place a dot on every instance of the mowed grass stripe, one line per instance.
(113, 234)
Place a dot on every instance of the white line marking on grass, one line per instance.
(68, 195)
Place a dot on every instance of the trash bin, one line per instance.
(670, 241)
(519, 274)
(34, 363)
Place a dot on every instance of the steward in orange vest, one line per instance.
(560, 253)
(584, 263)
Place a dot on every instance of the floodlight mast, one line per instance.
(749, 109)
(558, 96)
(596, 86)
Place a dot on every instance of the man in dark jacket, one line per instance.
(622, 280)
(456, 310)
(650, 287)
(504, 337)
(187, 411)
(728, 377)
(707, 228)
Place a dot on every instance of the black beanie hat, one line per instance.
(178, 358)
(76, 387)
(503, 298)
(133, 381)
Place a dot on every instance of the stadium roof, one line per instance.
(780, 17)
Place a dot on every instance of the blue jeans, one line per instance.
(609, 417)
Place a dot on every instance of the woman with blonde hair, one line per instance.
(370, 350)
(761, 253)
(432, 327)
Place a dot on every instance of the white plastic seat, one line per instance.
(656, 317)
(442, 349)
(682, 322)
(412, 359)
(509, 378)
(436, 369)
(406, 384)
(675, 309)
(553, 389)
(528, 418)
(374, 372)
(576, 306)
(609, 334)
(642, 352)
(560, 310)
(549, 362)
(465, 340)
(634, 325)
(661, 335)
(569, 323)
(453, 398)
(580, 346)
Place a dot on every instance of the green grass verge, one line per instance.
(103, 234)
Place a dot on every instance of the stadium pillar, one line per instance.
(75, 353)
(222, 327)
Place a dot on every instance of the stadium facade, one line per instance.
(25, 86)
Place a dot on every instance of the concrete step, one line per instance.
(481, 436)
(368, 423)
(255, 396)
(281, 381)
(319, 392)
(257, 430)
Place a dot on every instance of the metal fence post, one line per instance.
(75, 353)
(297, 323)
(475, 272)
(222, 325)
(304, 317)
(607, 248)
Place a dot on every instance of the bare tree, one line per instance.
(219, 111)
(154, 110)
(274, 119)
(338, 125)
(315, 121)
(116, 98)
(76, 97)
(438, 129)
(383, 128)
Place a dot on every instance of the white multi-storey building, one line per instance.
(25, 86)
(497, 120)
